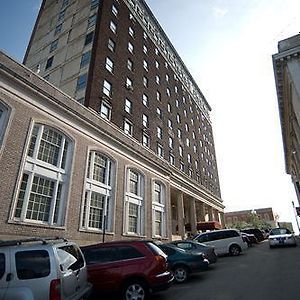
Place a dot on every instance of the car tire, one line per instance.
(180, 274)
(234, 250)
(135, 290)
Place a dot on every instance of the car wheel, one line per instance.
(234, 250)
(180, 274)
(135, 290)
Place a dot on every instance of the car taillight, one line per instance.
(55, 290)
(161, 260)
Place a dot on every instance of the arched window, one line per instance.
(134, 217)
(43, 190)
(97, 212)
(158, 210)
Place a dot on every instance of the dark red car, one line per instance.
(131, 268)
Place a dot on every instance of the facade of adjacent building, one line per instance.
(108, 134)
(264, 214)
(286, 65)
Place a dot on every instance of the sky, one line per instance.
(227, 45)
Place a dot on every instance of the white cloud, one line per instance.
(219, 12)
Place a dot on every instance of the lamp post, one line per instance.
(296, 216)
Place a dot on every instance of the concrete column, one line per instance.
(193, 217)
(216, 215)
(181, 215)
(200, 212)
(210, 213)
(222, 219)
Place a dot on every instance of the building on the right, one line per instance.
(286, 65)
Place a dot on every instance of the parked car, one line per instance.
(225, 241)
(281, 237)
(249, 238)
(48, 269)
(132, 269)
(257, 232)
(183, 263)
(195, 247)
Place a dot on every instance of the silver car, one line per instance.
(281, 237)
(42, 269)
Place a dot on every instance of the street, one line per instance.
(260, 273)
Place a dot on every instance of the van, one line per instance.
(225, 241)
(42, 269)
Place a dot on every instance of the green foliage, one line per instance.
(252, 221)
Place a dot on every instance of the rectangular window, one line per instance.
(65, 3)
(159, 150)
(81, 82)
(158, 96)
(128, 106)
(61, 15)
(145, 49)
(94, 4)
(85, 59)
(58, 29)
(111, 45)
(131, 31)
(89, 38)
(133, 218)
(145, 99)
(107, 88)
(114, 10)
(49, 62)
(171, 142)
(145, 121)
(159, 132)
(158, 111)
(92, 21)
(109, 65)
(128, 127)
(53, 45)
(145, 81)
(105, 110)
(172, 159)
(146, 140)
(130, 47)
(128, 84)
(145, 65)
(113, 27)
(129, 64)
(133, 182)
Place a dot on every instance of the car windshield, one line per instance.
(278, 231)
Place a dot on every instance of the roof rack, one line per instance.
(30, 240)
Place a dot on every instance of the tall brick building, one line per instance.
(145, 162)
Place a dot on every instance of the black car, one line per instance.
(183, 263)
(257, 232)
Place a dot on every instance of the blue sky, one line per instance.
(227, 47)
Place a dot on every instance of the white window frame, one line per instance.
(128, 106)
(107, 88)
(41, 147)
(105, 110)
(128, 127)
(135, 199)
(109, 65)
(145, 121)
(113, 27)
(146, 140)
(159, 207)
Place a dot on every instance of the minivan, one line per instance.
(225, 241)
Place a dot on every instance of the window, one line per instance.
(145, 49)
(145, 36)
(4, 114)
(129, 85)
(160, 150)
(113, 27)
(182, 166)
(187, 142)
(171, 142)
(186, 127)
(92, 21)
(61, 15)
(146, 140)
(158, 96)
(65, 3)
(168, 92)
(176, 89)
(159, 132)
(105, 110)
(177, 103)
(134, 203)
(180, 150)
(131, 31)
(58, 29)
(130, 47)
(178, 118)
(158, 111)
(128, 106)
(184, 112)
(43, 189)
(170, 124)
(89, 38)
(128, 127)
(49, 62)
(156, 51)
(129, 64)
(189, 158)
(109, 65)
(179, 135)
(97, 210)
(172, 159)
(94, 4)
(157, 79)
(145, 121)
(145, 65)
(53, 45)
(156, 64)
(145, 81)
(167, 77)
(107, 88)
(85, 59)
(114, 10)
(145, 99)
(195, 148)
(81, 82)
(169, 107)
(196, 164)
(111, 45)
(158, 210)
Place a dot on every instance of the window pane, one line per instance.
(133, 183)
(96, 210)
(132, 217)
(100, 168)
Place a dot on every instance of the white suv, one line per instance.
(42, 269)
(225, 241)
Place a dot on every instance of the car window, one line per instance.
(72, 255)
(278, 231)
(100, 255)
(168, 251)
(32, 264)
(128, 252)
(155, 249)
(203, 238)
(186, 246)
(2, 265)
